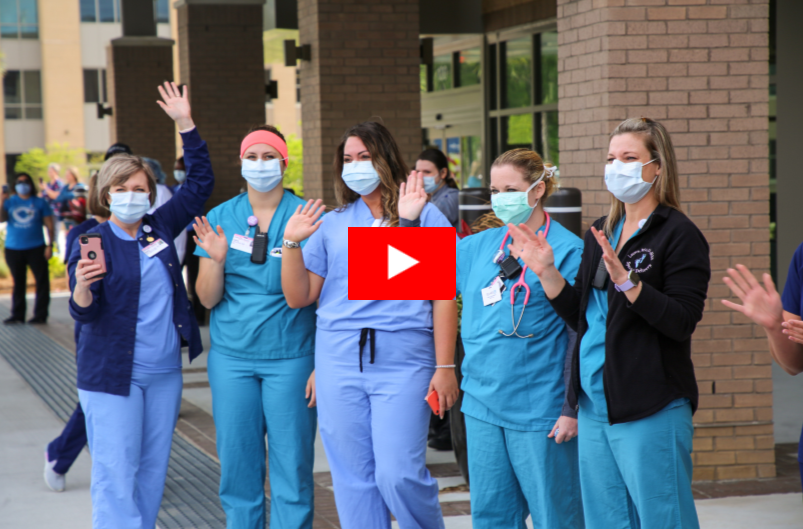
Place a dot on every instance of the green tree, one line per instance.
(294, 174)
(36, 160)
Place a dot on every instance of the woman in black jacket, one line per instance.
(635, 303)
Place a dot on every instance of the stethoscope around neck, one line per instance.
(518, 285)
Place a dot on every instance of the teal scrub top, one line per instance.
(592, 349)
(512, 382)
(253, 320)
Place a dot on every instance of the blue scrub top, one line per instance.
(252, 320)
(512, 382)
(327, 255)
(25, 221)
(156, 347)
(792, 299)
(592, 349)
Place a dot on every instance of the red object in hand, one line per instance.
(434, 403)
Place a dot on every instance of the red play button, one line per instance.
(401, 263)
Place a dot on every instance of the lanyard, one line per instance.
(518, 285)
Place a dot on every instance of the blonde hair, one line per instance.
(74, 172)
(666, 186)
(116, 171)
(531, 167)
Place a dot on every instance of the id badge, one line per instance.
(155, 247)
(242, 243)
(491, 295)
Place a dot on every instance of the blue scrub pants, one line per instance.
(129, 440)
(516, 473)
(249, 399)
(374, 427)
(638, 474)
(65, 448)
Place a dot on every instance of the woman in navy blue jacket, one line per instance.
(134, 321)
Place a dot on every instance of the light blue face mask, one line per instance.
(23, 189)
(361, 177)
(180, 175)
(430, 186)
(263, 175)
(624, 181)
(129, 207)
(513, 207)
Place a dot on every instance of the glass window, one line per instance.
(424, 79)
(34, 112)
(13, 112)
(469, 70)
(492, 70)
(27, 12)
(453, 156)
(549, 67)
(32, 82)
(12, 87)
(8, 12)
(161, 9)
(442, 72)
(103, 85)
(547, 145)
(88, 11)
(19, 19)
(472, 161)
(517, 132)
(518, 73)
(106, 10)
(22, 91)
(91, 91)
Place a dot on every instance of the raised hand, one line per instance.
(305, 221)
(213, 243)
(532, 248)
(616, 270)
(412, 197)
(762, 304)
(176, 105)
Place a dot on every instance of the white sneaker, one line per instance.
(54, 481)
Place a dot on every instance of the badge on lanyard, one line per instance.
(491, 295)
(276, 252)
(154, 247)
(242, 243)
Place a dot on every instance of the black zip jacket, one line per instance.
(647, 343)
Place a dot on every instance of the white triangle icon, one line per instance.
(398, 262)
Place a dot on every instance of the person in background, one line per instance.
(62, 452)
(163, 195)
(50, 191)
(117, 148)
(25, 247)
(65, 196)
(439, 183)
(133, 322)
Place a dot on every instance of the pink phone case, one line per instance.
(92, 248)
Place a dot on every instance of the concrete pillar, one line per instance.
(365, 65)
(702, 70)
(221, 60)
(62, 79)
(136, 66)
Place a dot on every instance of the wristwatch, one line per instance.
(291, 244)
(632, 282)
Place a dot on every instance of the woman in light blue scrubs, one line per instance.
(261, 357)
(521, 456)
(635, 302)
(375, 361)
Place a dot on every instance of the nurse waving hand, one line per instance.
(520, 428)
(375, 361)
(262, 350)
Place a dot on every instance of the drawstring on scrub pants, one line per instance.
(364, 335)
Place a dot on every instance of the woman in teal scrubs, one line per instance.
(521, 456)
(261, 360)
(635, 302)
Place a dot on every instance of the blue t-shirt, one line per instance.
(252, 320)
(25, 221)
(156, 347)
(327, 255)
(513, 382)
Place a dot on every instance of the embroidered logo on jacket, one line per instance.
(640, 260)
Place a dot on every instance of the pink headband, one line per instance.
(268, 138)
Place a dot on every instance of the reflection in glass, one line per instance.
(8, 13)
(469, 61)
(88, 13)
(453, 157)
(472, 161)
(549, 67)
(424, 78)
(442, 72)
(31, 81)
(517, 132)
(28, 14)
(161, 9)
(492, 71)
(106, 10)
(548, 135)
(518, 71)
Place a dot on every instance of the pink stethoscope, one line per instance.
(518, 285)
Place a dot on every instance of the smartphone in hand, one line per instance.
(92, 248)
(434, 403)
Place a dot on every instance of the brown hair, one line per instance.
(666, 186)
(531, 167)
(115, 171)
(387, 161)
(92, 201)
(439, 160)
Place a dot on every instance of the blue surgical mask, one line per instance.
(180, 175)
(361, 177)
(430, 186)
(624, 181)
(129, 207)
(513, 207)
(263, 175)
(23, 189)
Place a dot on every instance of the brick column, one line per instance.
(136, 66)
(702, 70)
(365, 65)
(221, 60)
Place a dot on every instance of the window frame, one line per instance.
(19, 23)
(23, 105)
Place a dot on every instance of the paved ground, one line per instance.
(27, 425)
